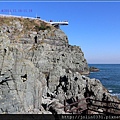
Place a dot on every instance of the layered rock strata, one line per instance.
(39, 69)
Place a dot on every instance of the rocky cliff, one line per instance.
(39, 69)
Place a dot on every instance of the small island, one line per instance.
(93, 69)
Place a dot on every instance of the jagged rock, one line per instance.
(38, 67)
(55, 108)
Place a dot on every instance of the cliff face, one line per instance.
(37, 64)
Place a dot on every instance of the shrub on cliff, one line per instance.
(42, 27)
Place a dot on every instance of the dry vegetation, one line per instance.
(19, 30)
(29, 24)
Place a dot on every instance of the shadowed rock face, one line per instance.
(38, 68)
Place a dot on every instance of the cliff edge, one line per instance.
(38, 68)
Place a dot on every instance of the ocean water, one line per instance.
(109, 75)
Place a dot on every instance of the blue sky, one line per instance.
(94, 26)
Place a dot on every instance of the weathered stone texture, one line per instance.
(47, 70)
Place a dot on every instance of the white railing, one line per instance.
(59, 23)
(16, 16)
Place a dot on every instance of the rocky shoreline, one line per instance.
(39, 69)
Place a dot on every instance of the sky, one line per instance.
(94, 26)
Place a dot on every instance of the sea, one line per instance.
(109, 75)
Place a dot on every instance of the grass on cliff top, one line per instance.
(28, 24)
